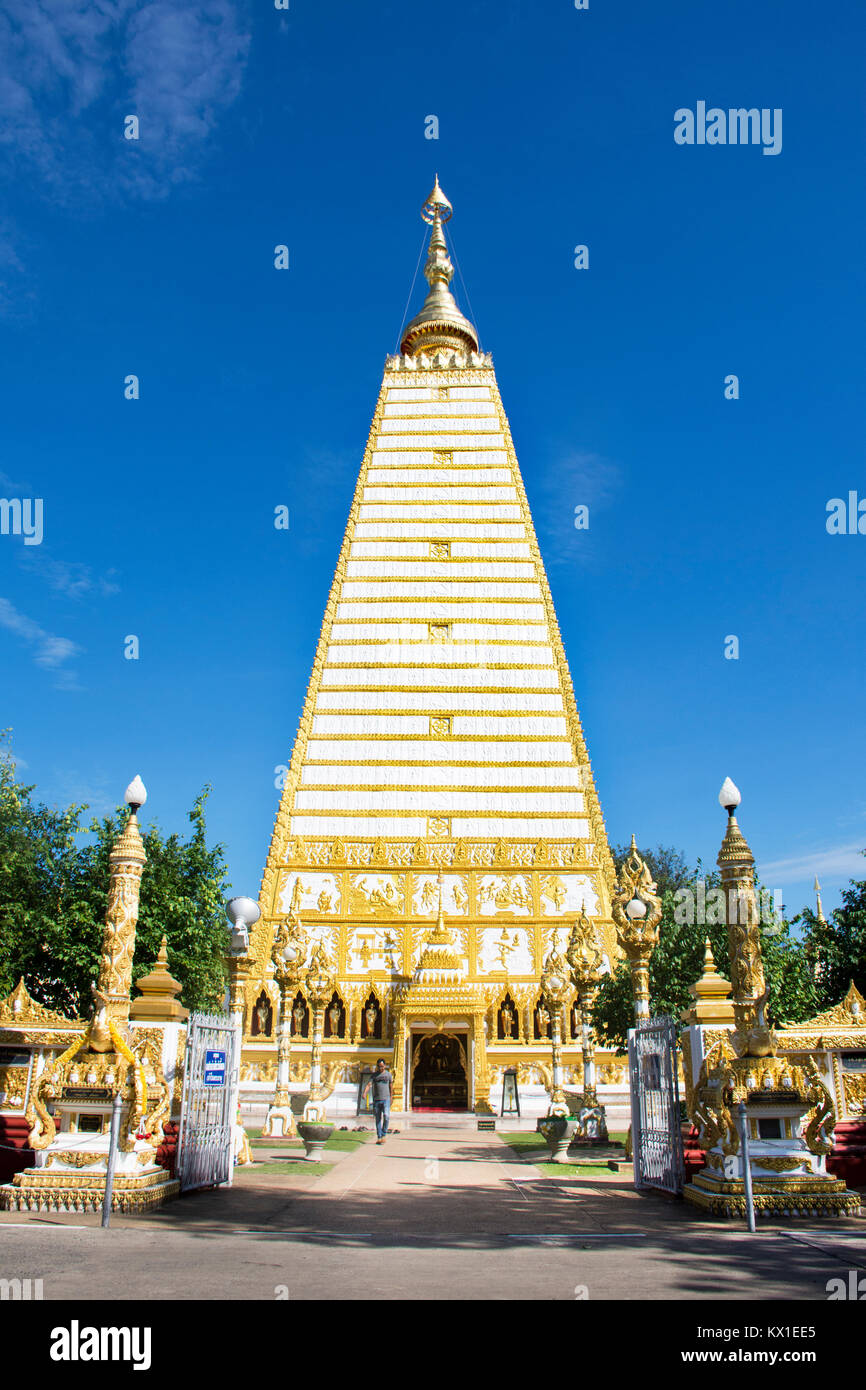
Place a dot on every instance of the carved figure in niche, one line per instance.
(262, 1016)
(335, 1016)
(300, 1017)
(542, 1021)
(324, 901)
(506, 1013)
(372, 1025)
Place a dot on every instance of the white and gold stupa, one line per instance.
(440, 733)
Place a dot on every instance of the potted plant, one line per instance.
(315, 1134)
(558, 1131)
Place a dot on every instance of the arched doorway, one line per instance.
(440, 1073)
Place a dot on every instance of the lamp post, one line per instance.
(243, 913)
(584, 956)
(637, 912)
(126, 861)
(319, 981)
(289, 950)
(554, 987)
(737, 866)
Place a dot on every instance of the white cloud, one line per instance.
(49, 651)
(69, 577)
(73, 69)
(841, 861)
(580, 478)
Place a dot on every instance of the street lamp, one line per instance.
(319, 981)
(288, 953)
(554, 987)
(135, 794)
(242, 913)
(637, 912)
(584, 955)
(729, 796)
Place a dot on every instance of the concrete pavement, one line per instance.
(435, 1212)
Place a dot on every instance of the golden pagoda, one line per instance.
(439, 769)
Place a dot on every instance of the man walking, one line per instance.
(383, 1089)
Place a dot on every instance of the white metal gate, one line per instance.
(657, 1140)
(205, 1156)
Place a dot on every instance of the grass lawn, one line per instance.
(340, 1139)
(288, 1167)
(531, 1148)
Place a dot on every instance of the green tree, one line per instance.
(678, 960)
(836, 949)
(53, 893)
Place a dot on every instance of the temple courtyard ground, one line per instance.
(437, 1212)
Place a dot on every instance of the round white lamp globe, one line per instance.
(636, 908)
(135, 794)
(243, 911)
(729, 796)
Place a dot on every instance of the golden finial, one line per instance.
(710, 994)
(440, 323)
(820, 911)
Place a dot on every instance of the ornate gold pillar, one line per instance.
(319, 981)
(481, 1077)
(399, 1063)
(637, 913)
(737, 865)
(554, 985)
(584, 955)
(239, 969)
(126, 862)
(288, 951)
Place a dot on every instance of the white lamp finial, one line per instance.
(729, 796)
(135, 794)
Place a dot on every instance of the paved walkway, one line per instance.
(434, 1213)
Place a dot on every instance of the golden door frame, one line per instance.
(440, 1033)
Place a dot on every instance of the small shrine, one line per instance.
(74, 1071)
(789, 1108)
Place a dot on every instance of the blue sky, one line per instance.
(306, 127)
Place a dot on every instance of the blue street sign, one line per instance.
(214, 1068)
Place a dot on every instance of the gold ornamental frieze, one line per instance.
(854, 1085)
(13, 1087)
(75, 1158)
(19, 1010)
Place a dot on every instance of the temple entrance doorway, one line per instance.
(439, 1077)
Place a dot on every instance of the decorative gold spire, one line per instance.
(439, 959)
(710, 994)
(737, 865)
(158, 1003)
(440, 323)
(820, 908)
(111, 994)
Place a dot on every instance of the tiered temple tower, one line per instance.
(440, 732)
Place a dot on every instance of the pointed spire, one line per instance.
(157, 1001)
(710, 994)
(820, 909)
(440, 323)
